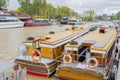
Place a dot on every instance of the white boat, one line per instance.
(8, 21)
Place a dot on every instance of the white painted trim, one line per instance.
(28, 43)
(97, 51)
(65, 41)
(70, 48)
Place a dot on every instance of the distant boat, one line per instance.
(64, 20)
(36, 22)
(8, 21)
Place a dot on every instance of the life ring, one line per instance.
(67, 56)
(36, 56)
(81, 23)
(92, 62)
(73, 27)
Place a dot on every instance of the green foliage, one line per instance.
(2, 4)
(19, 10)
(89, 15)
(42, 8)
(59, 17)
(116, 17)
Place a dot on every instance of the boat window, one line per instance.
(65, 19)
(29, 21)
(82, 57)
(82, 54)
(116, 50)
(81, 49)
(45, 21)
(117, 41)
(40, 21)
(5, 15)
(1, 20)
(37, 21)
(72, 20)
(9, 20)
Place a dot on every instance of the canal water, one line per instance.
(11, 38)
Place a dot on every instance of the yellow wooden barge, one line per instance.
(94, 57)
(50, 46)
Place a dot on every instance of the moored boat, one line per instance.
(31, 22)
(47, 49)
(8, 21)
(95, 56)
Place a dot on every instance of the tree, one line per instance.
(65, 11)
(89, 15)
(50, 11)
(2, 4)
(116, 16)
(44, 9)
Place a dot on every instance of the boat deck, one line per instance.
(61, 36)
(29, 58)
(99, 41)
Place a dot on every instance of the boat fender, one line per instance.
(12, 75)
(30, 38)
(73, 42)
(67, 29)
(92, 62)
(36, 56)
(70, 59)
(51, 32)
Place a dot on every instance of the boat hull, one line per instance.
(32, 25)
(38, 69)
(67, 73)
(11, 24)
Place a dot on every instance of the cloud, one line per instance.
(100, 6)
(13, 5)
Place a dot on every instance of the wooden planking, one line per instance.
(75, 76)
(51, 53)
(71, 45)
(80, 71)
(96, 37)
(47, 52)
(106, 47)
(60, 36)
(38, 67)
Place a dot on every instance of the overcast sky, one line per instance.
(100, 6)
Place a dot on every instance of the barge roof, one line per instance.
(99, 41)
(61, 37)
